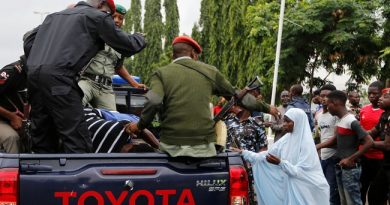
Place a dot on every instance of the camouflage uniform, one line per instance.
(96, 79)
(249, 134)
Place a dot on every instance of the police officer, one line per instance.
(63, 44)
(96, 80)
(181, 90)
(12, 80)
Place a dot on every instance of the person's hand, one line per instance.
(318, 147)
(234, 149)
(132, 129)
(272, 159)
(16, 121)
(347, 162)
(268, 124)
(142, 34)
(274, 112)
(140, 85)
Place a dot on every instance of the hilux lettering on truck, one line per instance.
(212, 185)
(186, 197)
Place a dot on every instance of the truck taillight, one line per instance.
(239, 186)
(9, 178)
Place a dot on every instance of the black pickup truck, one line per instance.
(122, 178)
(118, 179)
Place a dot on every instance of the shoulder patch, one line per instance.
(3, 77)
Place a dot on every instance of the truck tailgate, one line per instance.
(146, 178)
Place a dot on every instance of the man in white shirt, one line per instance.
(326, 123)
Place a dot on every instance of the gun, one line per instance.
(254, 84)
(25, 135)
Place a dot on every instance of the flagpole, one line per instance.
(277, 56)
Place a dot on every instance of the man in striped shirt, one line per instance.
(348, 135)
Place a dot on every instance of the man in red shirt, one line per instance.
(373, 158)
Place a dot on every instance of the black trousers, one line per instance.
(57, 113)
(378, 193)
(370, 169)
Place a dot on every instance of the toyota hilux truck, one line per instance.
(122, 178)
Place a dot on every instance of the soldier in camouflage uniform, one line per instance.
(96, 79)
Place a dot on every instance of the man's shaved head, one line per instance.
(182, 49)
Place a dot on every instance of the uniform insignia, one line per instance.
(3, 77)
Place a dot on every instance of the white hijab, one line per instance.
(298, 179)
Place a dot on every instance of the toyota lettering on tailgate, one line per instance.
(127, 198)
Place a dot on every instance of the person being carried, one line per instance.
(348, 135)
(96, 80)
(181, 91)
(290, 171)
(108, 133)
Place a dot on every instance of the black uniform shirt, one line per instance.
(11, 82)
(70, 38)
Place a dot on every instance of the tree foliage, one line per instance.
(334, 35)
(132, 24)
(171, 22)
(384, 74)
(133, 17)
(153, 28)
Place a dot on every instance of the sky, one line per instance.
(20, 16)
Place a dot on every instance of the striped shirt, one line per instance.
(349, 133)
(107, 135)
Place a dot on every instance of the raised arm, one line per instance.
(126, 44)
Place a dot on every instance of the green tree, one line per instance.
(171, 22)
(133, 24)
(196, 33)
(331, 34)
(384, 74)
(153, 28)
(133, 17)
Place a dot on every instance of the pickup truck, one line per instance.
(122, 178)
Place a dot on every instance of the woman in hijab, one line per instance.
(289, 173)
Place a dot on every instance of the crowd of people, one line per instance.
(67, 67)
(353, 151)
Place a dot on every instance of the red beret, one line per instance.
(386, 91)
(111, 4)
(189, 41)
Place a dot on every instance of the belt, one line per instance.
(99, 79)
